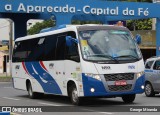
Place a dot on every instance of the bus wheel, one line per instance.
(33, 95)
(73, 93)
(149, 92)
(129, 98)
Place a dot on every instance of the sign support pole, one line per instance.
(158, 37)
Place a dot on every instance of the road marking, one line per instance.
(11, 98)
(108, 113)
(8, 87)
(49, 104)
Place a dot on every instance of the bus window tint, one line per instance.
(20, 51)
(47, 48)
(60, 49)
(37, 49)
(50, 47)
(72, 51)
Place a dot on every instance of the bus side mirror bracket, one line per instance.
(138, 39)
(70, 40)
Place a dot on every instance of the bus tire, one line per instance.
(73, 93)
(33, 95)
(129, 98)
(149, 91)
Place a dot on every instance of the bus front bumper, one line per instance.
(93, 87)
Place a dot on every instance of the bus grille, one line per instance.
(120, 88)
(120, 76)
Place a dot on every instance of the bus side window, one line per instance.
(71, 52)
(36, 49)
(20, 52)
(50, 47)
(60, 47)
(15, 57)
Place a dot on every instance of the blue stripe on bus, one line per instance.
(89, 82)
(47, 82)
(148, 70)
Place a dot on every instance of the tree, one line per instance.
(85, 22)
(141, 24)
(50, 23)
(39, 26)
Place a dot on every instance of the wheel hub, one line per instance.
(30, 91)
(148, 89)
(75, 95)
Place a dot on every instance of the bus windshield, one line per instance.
(108, 45)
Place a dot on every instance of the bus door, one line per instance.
(72, 63)
(59, 61)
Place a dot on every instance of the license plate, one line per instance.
(120, 83)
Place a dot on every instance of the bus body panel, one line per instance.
(19, 83)
(88, 67)
(73, 73)
(55, 69)
(140, 65)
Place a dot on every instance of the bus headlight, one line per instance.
(139, 74)
(95, 76)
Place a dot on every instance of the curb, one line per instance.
(15, 114)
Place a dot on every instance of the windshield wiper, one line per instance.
(106, 56)
(124, 56)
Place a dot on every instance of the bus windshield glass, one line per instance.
(108, 45)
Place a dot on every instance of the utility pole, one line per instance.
(154, 24)
(134, 25)
(6, 64)
(10, 45)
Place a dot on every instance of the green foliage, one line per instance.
(131, 0)
(5, 78)
(85, 22)
(142, 24)
(49, 23)
(39, 26)
(140, 0)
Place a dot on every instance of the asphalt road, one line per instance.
(59, 104)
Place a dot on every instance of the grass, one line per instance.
(5, 78)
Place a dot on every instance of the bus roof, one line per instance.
(65, 28)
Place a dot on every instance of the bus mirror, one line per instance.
(138, 39)
(70, 40)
